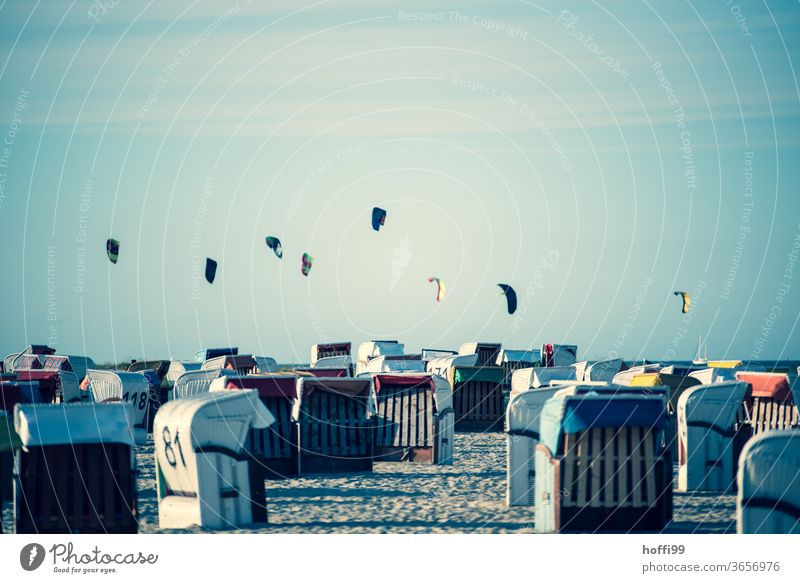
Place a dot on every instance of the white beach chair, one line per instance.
(707, 436)
(178, 367)
(106, 386)
(487, 352)
(522, 429)
(373, 348)
(205, 475)
(768, 501)
(603, 370)
(329, 350)
(194, 382)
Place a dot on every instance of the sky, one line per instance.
(597, 156)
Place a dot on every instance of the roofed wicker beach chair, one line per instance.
(771, 404)
(194, 382)
(413, 418)
(275, 447)
(373, 348)
(205, 474)
(57, 382)
(709, 438)
(511, 360)
(109, 386)
(603, 370)
(768, 501)
(75, 471)
(330, 349)
(602, 465)
(334, 424)
(240, 364)
(478, 397)
(487, 352)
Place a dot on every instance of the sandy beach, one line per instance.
(467, 497)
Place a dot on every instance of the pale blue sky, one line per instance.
(505, 144)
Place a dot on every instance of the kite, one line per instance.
(687, 301)
(511, 296)
(378, 218)
(440, 284)
(211, 270)
(275, 244)
(112, 248)
(306, 266)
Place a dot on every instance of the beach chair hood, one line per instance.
(603, 370)
(264, 385)
(218, 419)
(525, 409)
(440, 388)
(765, 384)
(441, 366)
(354, 387)
(43, 425)
(570, 414)
(541, 376)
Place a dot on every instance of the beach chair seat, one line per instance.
(601, 464)
(487, 352)
(768, 500)
(478, 398)
(771, 405)
(275, 447)
(106, 386)
(709, 440)
(334, 425)
(75, 472)
(413, 418)
(205, 475)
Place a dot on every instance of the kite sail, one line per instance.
(275, 244)
(440, 285)
(511, 296)
(211, 270)
(378, 218)
(112, 248)
(306, 266)
(687, 301)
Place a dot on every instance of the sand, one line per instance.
(467, 497)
